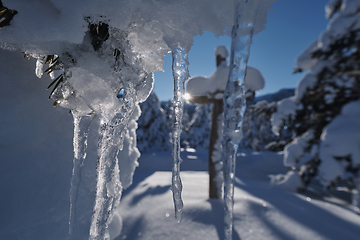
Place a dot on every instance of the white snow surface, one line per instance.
(214, 86)
(291, 181)
(129, 155)
(288, 106)
(262, 212)
(42, 25)
(221, 51)
(339, 25)
(254, 79)
(344, 126)
(306, 83)
(285, 108)
(295, 150)
(304, 61)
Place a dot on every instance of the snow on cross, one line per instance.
(213, 87)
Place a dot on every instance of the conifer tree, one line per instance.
(153, 132)
(333, 80)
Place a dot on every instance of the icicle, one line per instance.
(180, 73)
(109, 188)
(234, 107)
(39, 66)
(81, 129)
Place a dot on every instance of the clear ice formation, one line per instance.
(109, 187)
(180, 73)
(113, 96)
(81, 129)
(234, 107)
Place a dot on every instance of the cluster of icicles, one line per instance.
(109, 188)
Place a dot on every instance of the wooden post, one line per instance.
(216, 125)
(215, 189)
(199, 96)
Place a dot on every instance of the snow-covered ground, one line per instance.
(261, 211)
(35, 171)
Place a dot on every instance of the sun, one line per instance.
(186, 96)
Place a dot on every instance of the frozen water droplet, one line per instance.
(120, 94)
(308, 199)
(167, 214)
(236, 136)
(110, 189)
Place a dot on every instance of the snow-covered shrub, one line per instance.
(198, 129)
(257, 127)
(196, 124)
(168, 111)
(153, 132)
(322, 100)
(340, 150)
(154, 125)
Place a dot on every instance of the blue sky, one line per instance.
(291, 27)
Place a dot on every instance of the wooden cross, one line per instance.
(215, 191)
(211, 90)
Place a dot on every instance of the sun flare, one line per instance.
(186, 96)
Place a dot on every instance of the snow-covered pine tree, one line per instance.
(258, 135)
(198, 130)
(333, 81)
(186, 138)
(152, 132)
(167, 107)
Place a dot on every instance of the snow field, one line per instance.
(260, 211)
